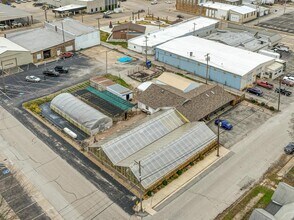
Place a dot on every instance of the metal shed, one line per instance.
(85, 117)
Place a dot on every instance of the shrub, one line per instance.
(253, 100)
(164, 182)
(149, 193)
(271, 108)
(179, 172)
(262, 104)
(35, 108)
(191, 163)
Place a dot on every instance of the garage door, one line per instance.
(69, 48)
(7, 64)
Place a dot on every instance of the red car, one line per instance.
(264, 84)
(66, 55)
(287, 82)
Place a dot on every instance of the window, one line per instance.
(92, 10)
(147, 108)
(96, 9)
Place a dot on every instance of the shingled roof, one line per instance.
(130, 26)
(194, 105)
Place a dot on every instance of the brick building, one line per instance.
(127, 31)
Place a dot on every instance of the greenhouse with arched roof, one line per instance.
(80, 114)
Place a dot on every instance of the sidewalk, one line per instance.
(162, 195)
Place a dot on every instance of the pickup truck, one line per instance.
(264, 84)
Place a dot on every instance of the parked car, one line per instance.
(17, 1)
(141, 11)
(224, 124)
(108, 12)
(180, 16)
(51, 73)
(66, 55)
(289, 149)
(61, 69)
(153, 2)
(264, 84)
(32, 79)
(290, 78)
(38, 4)
(282, 48)
(283, 91)
(106, 16)
(255, 91)
(287, 82)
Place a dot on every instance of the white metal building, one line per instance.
(85, 36)
(13, 55)
(217, 10)
(198, 26)
(93, 6)
(242, 14)
(231, 66)
(120, 91)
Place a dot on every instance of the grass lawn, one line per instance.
(118, 80)
(103, 36)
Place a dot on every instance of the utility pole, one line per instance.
(45, 11)
(285, 4)
(279, 97)
(98, 23)
(106, 67)
(3, 80)
(82, 16)
(207, 58)
(194, 29)
(217, 149)
(63, 37)
(141, 192)
(146, 58)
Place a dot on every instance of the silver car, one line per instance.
(33, 79)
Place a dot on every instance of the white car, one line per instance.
(289, 78)
(153, 2)
(108, 12)
(168, 2)
(33, 79)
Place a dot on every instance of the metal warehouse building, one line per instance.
(198, 26)
(83, 116)
(163, 144)
(233, 67)
(13, 55)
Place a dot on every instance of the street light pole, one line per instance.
(98, 23)
(217, 149)
(146, 58)
(207, 58)
(194, 29)
(106, 67)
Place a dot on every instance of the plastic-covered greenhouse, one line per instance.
(82, 115)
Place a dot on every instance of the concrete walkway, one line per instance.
(181, 181)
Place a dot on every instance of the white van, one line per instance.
(290, 78)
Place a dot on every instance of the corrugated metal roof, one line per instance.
(180, 29)
(119, 89)
(9, 13)
(7, 45)
(224, 57)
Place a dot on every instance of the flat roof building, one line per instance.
(234, 67)
(43, 43)
(85, 36)
(198, 26)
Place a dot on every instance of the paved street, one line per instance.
(67, 189)
(220, 188)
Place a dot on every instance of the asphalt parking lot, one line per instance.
(245, 117)
(14, 89)
(18, 89)
(284, 23)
